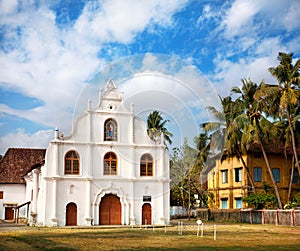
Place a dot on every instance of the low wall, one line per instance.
(276, 217)
(218, 214)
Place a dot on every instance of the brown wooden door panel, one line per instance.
(110, 210)
(146, 214)
(9, 213)
(71, 214)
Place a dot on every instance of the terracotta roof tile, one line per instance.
(17, 162)
(272, 148)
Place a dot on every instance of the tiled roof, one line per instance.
(273, 148)
(17, 162)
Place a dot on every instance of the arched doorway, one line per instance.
(110, 210)
(71, 214)
(146, 214)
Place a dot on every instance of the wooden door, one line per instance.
(9, 213)
(146, 214)
(110, 210)
(71, 214)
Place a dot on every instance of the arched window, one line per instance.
(110, 163)
(72, 163)
(110, 130)
(146, 165)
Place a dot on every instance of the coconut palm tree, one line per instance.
(254, 126)
(283, 99)
(156, 126)
(227, 127)
(202, 144)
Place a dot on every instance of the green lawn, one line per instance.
(228, 237)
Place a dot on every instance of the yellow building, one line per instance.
(229, 182)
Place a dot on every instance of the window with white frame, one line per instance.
(238, 174)
(224, 176)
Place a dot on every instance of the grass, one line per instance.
(229, 237)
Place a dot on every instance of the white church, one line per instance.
(106, 172)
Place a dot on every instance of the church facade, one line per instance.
(106, 172)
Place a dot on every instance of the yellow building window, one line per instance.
(276, 174)
(224, 203)
(238, 203)
(257, 174)
(224, 176)
(238, 174)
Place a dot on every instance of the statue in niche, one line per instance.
(110, 130)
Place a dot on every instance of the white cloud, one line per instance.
(291, 19)
(249, 31)
(8, 6)
(230, 73)
(252, 17)
(40, 139)
(51, 64)
(119, 21)
(238, 17)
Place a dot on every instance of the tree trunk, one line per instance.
(271, 174)
(291, 180)
(247, 171)
(293, 142)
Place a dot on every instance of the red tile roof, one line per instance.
(17, 162)
(273, 148)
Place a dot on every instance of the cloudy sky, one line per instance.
(51, 52)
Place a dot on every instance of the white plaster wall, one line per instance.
(141, 137)
(13, 193)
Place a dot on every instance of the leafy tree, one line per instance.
(197, 179)
(156, 126)
(186, 165)
(178, 174)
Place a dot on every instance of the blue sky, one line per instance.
(50, 50)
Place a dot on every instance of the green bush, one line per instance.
(261, 200)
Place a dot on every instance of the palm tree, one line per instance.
(255, 127)
(226, 127)
(235, 139)
(283, 99)
(203, 148)
(217, 129)
(156, 126)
